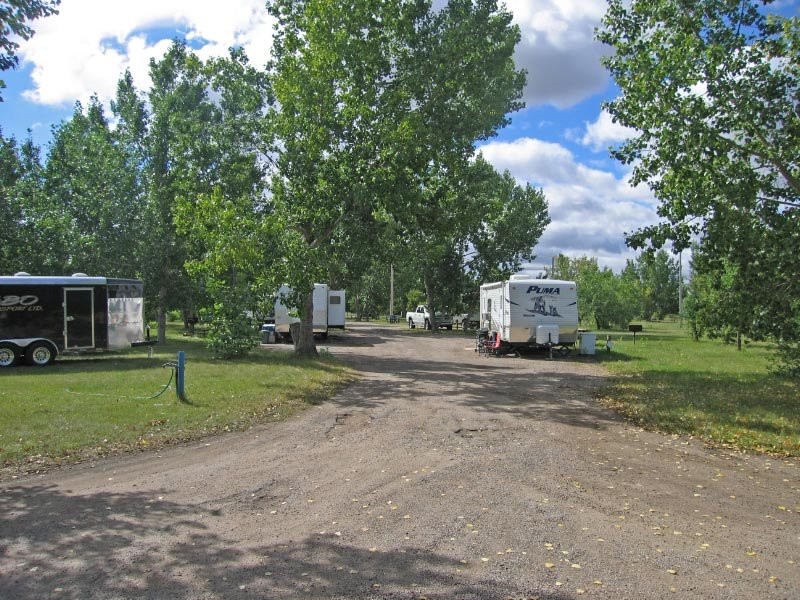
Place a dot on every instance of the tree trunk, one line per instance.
(303, 332)
(738, 340)
(162, 315)
(429, 298)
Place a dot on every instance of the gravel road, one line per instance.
(441, 474)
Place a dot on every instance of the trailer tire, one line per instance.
(411, 323)
(40, 354)
(9, 353)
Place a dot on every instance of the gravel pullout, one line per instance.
(439, 474)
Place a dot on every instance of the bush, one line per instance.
(230, 335)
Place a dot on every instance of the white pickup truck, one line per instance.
(421, 317)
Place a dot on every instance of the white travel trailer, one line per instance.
(527, 312)
(329, 310)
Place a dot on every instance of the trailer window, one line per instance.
(335, 300)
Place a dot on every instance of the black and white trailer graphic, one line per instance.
(42, 317)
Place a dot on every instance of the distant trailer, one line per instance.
(532, 313)
(329, 310)
(42, 317)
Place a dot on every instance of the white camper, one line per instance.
(527, 312)
(329, 310)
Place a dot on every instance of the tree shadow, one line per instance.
(530, 388)
(139, 545)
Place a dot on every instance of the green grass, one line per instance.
(671, 383)
(84, 407)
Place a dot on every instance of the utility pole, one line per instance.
(391, 289)
(680, 287)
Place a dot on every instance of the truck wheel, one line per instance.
(8, 354)
(427, 324)
(39, 354)
(411, 324)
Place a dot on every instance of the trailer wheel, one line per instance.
(9, 353)
(39, 354)
(411, 323)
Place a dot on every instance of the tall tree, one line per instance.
(712, 89)
(39, 226)
(14, 18)
(181, 163)
(87, 182)
(379, 103)
(330, 70)
(658, 274)
(10, 208)
(445, 207)
(230, 244)
(510, 220)
(604, 299)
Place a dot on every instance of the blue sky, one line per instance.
(559, 142)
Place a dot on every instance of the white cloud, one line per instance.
(88, 45)
(590, 209)
(558, 49)
(604, 132)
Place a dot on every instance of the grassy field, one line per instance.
(83, 407)
(671, 383)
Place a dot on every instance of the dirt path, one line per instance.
(441, 474)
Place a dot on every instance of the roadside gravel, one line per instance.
(439, 474)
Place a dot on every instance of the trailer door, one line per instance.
(78, 318)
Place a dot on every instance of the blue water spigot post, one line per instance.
(180, 375)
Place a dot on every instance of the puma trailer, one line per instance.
(530, 313)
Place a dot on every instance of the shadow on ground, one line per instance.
(532, 387)
(118, 540)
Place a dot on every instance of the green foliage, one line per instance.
(414, 298)
(90, 198)
(604, 299)
(788, 364)
(10, 207)
(231, 334)
(710, 90)
(658, 275)
(378, 109)
(510, 219)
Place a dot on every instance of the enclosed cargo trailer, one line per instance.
(42, 317)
